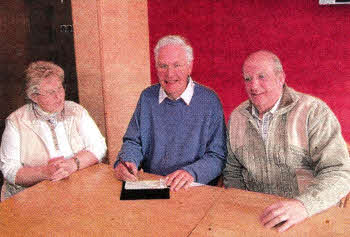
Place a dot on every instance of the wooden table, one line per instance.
(237, 213)
(87, 204)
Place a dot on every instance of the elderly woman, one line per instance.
(49, 138)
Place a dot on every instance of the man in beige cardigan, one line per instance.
(285, 143)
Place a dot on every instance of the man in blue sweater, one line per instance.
(178, 128)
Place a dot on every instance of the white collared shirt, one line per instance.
(264, 122)
(186, 95)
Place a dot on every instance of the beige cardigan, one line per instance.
(305, 156)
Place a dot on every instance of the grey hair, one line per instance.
(174, 39)
(277, 65)
(278, 68)
(39, 71)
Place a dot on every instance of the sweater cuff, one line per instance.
(309, 207)
(315, 203)
(190, 171)
(118, 160)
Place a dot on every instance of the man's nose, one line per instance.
(171, 71)
(254, 83)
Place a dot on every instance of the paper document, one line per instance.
(145, 184)
(195, 184)
(151, 184)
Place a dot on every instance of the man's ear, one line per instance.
(282, 78)
(190, 65)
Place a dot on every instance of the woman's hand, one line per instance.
(60, 168)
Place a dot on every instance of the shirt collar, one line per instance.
(51, 117)
(186, 95)
(255, 112)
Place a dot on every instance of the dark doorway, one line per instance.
(51, 38)
(30, 31)
(33, 30)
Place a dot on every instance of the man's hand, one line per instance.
(284, 213)
(122, 173)
(179, 179)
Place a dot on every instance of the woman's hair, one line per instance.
(38, 71)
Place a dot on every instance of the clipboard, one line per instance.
(142, 194)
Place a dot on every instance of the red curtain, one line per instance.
(312, 41)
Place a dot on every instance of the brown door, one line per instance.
(30, 31)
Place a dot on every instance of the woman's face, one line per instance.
(51, 95)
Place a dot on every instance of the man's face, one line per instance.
(51, 95)
(173, 69)
(263, 85)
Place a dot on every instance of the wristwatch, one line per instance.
(77, 162)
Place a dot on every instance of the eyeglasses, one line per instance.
(165, 67)
(50, 93)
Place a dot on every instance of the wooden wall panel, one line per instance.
(111, 43)
(88, 59)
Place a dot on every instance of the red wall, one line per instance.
(312, 41)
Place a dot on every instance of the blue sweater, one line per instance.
(171, 135)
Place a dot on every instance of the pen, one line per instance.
(127, 167)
